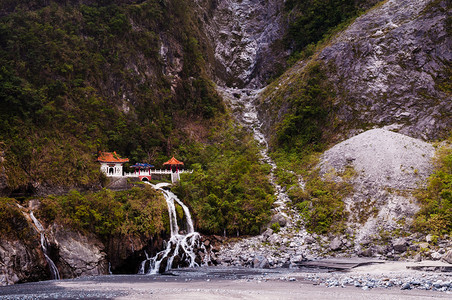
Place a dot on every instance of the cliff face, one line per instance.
(389, 68)
(128, 76)
(75, 253)
(246, 37)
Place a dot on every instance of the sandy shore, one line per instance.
(229, 283)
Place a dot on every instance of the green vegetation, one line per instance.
(435, 215)
(138, 211)
(321, 203)
(13, 224)
(310, 98)
(312, 23)
(311, 20)
(230, 191)
(75, 79)
(275, 227)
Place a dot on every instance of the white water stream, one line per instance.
(244, 101)
(44, 245)
(181, 249)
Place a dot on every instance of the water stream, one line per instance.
(182, 250)
(245, 102)
(45, 245)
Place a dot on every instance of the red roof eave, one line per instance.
(109, 157)
(173, 161)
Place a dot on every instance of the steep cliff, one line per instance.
(247, 39)
(83, 76)
(389, 68)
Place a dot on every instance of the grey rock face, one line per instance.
(243, 32)
(20, 262)
(336, 244)
(79, 255)
(400, 245)
(387, 65)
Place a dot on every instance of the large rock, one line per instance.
(400, 245)
(336, 244)
(260, 262)
(79, 254)
(21, 262)
(280, 219)
(447, 257)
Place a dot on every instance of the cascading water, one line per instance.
(44, 245)
(244, 101)
(181, 249)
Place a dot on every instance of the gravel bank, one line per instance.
(370, 282)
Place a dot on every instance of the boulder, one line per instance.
(79, 254)
(309, 240)
(260, 262)
(436, 256)
(280, 219)
(336, 244)
(447, 257)
(267, 233)
(400, 245)
(367, 252)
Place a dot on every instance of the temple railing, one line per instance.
(147, 173)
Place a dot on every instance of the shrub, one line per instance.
(139, 211)
(322, 204)
(435, 215)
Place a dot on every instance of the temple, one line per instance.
(174, 165)
(111, 163)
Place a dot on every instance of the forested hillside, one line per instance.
(126, 76)
(76, 79)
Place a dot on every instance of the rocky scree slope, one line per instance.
(388, 69)
(391, 67)
(388, 166)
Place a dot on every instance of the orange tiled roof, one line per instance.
(111, 157)
(173, 161)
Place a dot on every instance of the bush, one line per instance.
(435, 215)
(138, 211)
(13, 224)
(275, 227)
(229, 190)
(321, 204)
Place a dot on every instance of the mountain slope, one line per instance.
(79, 78)
(391, 67)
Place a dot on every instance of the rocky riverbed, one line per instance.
(383, 281)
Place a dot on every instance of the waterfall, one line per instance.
(181, 249)
(244, 101)
(44, 245)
